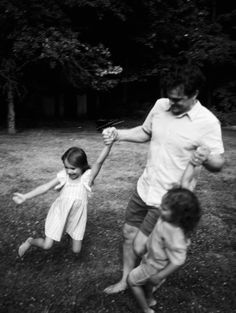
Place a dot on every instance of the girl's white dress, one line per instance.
(68, 212)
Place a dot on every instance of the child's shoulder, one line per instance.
(170, 229)
(61, 174)
(86, 173)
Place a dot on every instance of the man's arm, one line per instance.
(214, 163)
(136, 134)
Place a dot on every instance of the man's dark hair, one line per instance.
(188, 77)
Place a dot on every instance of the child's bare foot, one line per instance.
(149, 310)
(120, 286)
(152, 302)
(24, 247)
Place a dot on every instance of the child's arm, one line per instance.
(191, 169)
(20, 198)
(169, 269)
(188, 176)
(98, 164)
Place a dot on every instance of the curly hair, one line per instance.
(76, 157)
(185, 208)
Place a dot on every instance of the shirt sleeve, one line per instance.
(61, 176)
(176, 246)
(213, 138)
(85, 180)
(160, 105)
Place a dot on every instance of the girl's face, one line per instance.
(73, 172)
(165, 212)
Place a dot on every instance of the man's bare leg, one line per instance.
(129, 259)
(133, 246)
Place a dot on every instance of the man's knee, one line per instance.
(129, 233)
(139, 244)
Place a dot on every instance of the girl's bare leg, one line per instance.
(38, 242)
(76, 246)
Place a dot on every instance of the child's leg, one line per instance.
(38, 242)
(45, 244)
(140, 296)
(148, 289)
(76, 246)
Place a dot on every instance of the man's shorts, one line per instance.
(141, 215)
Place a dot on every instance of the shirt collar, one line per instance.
(191, 113)
(194, 111)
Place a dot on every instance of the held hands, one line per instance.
(109, 135)
(200, 155)
(18, 198)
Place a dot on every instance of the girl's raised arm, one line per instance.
(20, 198)
(98, 164)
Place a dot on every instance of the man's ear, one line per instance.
(196, 94)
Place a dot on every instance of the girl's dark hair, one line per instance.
(77, 158)
(185, 208)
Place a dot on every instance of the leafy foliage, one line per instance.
(41, 34)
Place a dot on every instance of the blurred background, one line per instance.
(75, 60)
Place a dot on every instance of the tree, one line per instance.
(40, 34)
(147, 37)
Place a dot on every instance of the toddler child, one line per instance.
(166, 246)
(68, 212)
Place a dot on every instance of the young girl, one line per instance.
(166, 246)
(69, 211)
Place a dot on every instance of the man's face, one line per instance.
(179, 102)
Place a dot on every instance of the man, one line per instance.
(176, 126)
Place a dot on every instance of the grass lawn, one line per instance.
(57, 281)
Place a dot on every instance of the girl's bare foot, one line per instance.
(24, 247)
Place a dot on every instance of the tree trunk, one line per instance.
(11, 112)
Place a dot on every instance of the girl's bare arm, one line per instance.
(188, 176)
(19, 197)
(99, 162)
